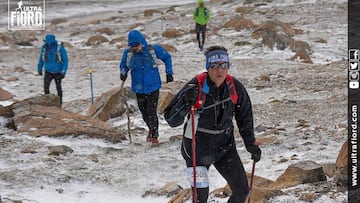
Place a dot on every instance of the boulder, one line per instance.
(168, 190)
(5, 38)
(169, 48)
(302, 56)
(24, 38)
(43, 100)
(181, 196)
(239, 23)
(275, 33)
(57, 21)
(105, 30)
(342, 165)
(173, 33)
(299, 173)
(164, 99)
(150, 12)
(5, 95)
(276, 26)
(109, 104)
(59, 150)
(39, 116)
(96, 39)
(298, 45)
(6, 111)
(118, 40)
(260, 192)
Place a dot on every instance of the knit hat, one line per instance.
(216, 56)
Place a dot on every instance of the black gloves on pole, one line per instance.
(255, 152)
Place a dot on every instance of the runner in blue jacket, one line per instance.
(54, 57)
(140, 58)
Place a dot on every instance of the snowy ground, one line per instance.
(315, 93)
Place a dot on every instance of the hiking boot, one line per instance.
(154, 142)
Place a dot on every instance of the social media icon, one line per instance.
(354, 75)
(354, 66)
(353, 84)
(354, 54)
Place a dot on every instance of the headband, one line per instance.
(216, 56)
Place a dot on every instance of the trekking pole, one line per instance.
(256, 143)
(193, 145)
(91, 85)
(127, 108)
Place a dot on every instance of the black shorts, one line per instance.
(200, 28)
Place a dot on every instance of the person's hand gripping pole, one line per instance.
(256, 143)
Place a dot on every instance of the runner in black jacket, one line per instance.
(225, 97)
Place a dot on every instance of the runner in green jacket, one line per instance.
(201, 16)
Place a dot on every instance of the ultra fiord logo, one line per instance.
(26, 15)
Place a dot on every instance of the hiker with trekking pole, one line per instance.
(209, 101)
(140, 58)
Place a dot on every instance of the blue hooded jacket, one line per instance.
(52, 64)
(145, 77)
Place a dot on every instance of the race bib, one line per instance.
(202, 180)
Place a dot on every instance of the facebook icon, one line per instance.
(354, 54)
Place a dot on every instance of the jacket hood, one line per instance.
(50, 39)
(201, 2)
(135, 37)
(50, 42)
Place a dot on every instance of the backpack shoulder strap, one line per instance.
(201, 79)
(43, 51)
(129, 57)
(206, 12)
(152, 56)
(197, 11)
(231, 88)
(58, 55)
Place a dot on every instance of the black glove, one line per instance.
(169, 78)
(190, 94)
(123, 76)
(40, 72)
(255, 152)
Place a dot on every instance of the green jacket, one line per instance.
(201, 15)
